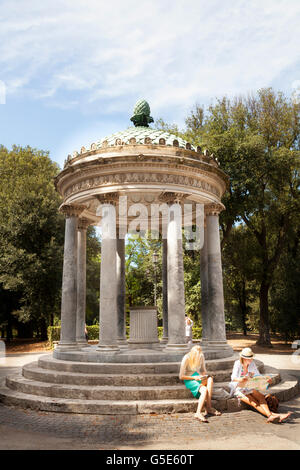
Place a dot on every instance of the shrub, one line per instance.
(93, 333)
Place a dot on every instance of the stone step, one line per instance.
(34, 372)
(111, 391)
(98, 392)
(125, 356)
(50, 363)
(285, 390)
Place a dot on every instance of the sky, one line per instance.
(71, 71)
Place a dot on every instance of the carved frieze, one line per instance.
(140, 177)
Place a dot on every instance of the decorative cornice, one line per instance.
(213, 209)
(165, 162)
(70, 210)
(132, 177)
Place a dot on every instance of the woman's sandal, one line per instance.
(285, 416)
(201, 418)
(214, 412)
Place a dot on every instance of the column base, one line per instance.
(82, 343)
(143, 345)
(216, 344)
(67, 346)
(177, 347)
(164, 340)
(122, 341)
(122, 344)
(108, 348)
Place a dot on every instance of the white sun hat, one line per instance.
(247, 353)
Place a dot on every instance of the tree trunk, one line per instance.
(25, 330)
(244, 308)
(44, 332)
(264, 326)
(9, 335)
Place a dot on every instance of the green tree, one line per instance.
(285, 292)
(239, 268)
(93, 259)
(31, 238)
(140, 270)
(256, 141)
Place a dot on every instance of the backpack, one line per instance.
(272, 403)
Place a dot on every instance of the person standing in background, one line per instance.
(189, 329)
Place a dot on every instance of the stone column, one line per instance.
(165, 289)
(204, 290)
(120, 267)
(69, 283)
(81, 282)
(216, 331)
(176, 298)
(108, 282)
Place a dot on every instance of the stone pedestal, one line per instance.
(143, 328)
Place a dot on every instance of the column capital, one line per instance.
(83, 223)
(69, 210)
(108, 198)
(172, 197)
(213, 208)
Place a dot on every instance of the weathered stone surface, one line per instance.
(108, 281)
(176, 299)
(81, 286)
(34, 372)
(50, 363)
(69, 286)
(85, 402)
(204, 290)
(143, 328)
(165, 290)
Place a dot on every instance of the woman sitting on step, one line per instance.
(193, 373)
(244, 368)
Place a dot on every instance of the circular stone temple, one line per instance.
(168, 184)
(171, 185)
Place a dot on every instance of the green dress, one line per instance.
(193, 385)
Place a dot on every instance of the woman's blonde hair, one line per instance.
(196, 358)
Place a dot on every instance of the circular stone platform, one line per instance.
(122, 388)
(92, 354)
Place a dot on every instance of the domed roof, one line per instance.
(139, 134)
(144, 135)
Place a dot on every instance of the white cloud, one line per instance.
(80, 52)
